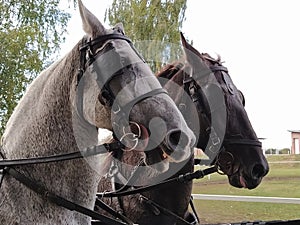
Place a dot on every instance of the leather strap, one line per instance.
(104, 38)
(58, 200)
(164, 210)
(198, 174)
(242, 142)
(218, 68)
(94, 150)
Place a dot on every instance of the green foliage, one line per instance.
(30, 33)
(271, 151)
(151, 20)
(285, 151)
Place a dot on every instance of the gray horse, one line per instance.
(60, 113)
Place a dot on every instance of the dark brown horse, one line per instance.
(214, 109)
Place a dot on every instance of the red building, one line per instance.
(295, 134)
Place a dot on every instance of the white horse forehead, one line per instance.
(126, 51)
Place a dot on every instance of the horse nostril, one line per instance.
(258, 171)
(176, 139)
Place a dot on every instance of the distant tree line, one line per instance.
(273, 151)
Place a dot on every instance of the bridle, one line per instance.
(89, 57)
(121, 111)
(216, 144)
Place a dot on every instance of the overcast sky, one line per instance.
(259, 42)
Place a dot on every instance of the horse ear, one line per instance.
(191, 54)
(119, 27)
(183, 40)
(91, 25)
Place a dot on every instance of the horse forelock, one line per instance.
(170, 70)
(210, 59)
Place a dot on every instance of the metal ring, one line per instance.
(134, 139)
(128, 150)
(219, 165)
(138, 127)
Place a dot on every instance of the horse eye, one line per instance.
(242, 97)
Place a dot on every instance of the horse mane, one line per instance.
(170, 70)
(206, 56)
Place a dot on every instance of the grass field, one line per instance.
(283, 180)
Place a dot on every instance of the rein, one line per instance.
(198, 174)
(6, 166)
(91, 151)
(183, 178)
(58, 200)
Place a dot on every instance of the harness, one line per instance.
(122, 186)
(106, 65)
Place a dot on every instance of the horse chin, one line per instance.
(242, 181)
(236, 180)
(155, 158)
(160, 158)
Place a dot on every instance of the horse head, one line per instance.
(225, 132)
(117, 90)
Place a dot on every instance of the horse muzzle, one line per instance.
(242, 174)
(176, 146)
